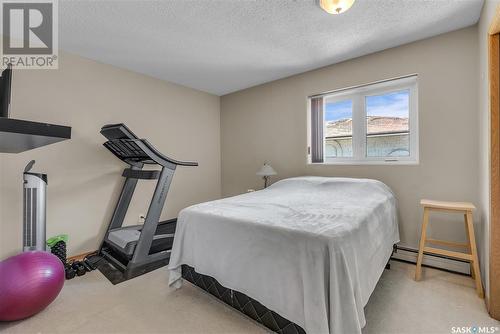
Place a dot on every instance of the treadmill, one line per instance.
(137, 249)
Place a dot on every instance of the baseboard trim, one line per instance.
(402, 254)
(409, 255)
(80, 257)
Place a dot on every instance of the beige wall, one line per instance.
(84, 178)
(484, 136)
(268, 123)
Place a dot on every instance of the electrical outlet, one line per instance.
(142, 218)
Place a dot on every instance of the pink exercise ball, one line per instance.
(29, 282)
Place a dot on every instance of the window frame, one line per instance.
(358, 96)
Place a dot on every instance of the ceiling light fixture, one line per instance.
(335, 6)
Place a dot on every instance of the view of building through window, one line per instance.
(387, 126)
(338, 129)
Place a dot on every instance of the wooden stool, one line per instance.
(470, 246)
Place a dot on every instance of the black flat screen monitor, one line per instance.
(5, 86)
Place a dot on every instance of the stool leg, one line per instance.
(475, 260)
(468, 243)
(425, 221)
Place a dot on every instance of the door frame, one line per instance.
(493, 301)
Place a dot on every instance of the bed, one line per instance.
(311, 249)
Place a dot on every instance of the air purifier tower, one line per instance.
(34, 206)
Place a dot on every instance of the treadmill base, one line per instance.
(116, 276)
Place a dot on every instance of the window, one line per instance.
(370, 124)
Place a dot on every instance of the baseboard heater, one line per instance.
(442, 262)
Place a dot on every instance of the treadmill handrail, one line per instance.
(164, 157)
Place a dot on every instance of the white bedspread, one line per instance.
(311, 249)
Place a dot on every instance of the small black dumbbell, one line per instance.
(79, 268)
(87, 265)
(69, 271)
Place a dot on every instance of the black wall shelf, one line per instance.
(18, 135)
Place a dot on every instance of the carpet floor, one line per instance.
(90, 304)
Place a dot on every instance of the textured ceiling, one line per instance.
(221, 46)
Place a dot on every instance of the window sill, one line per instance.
(367, 163)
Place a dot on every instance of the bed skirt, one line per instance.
(241, 302)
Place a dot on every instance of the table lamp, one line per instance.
(266, 171)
